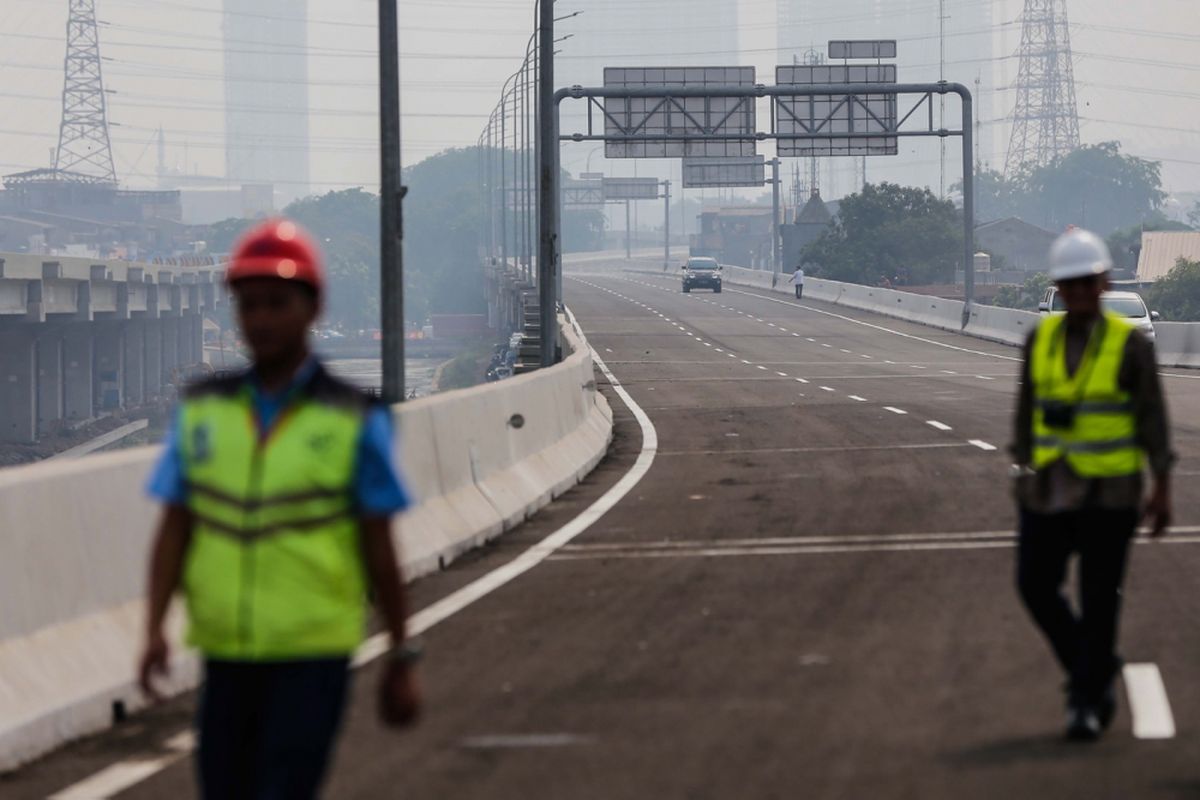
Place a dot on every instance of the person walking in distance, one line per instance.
(1090, 416)
(798, 281)
(278, 486)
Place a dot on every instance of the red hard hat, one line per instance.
(277, 248)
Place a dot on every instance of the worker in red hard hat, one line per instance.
(278, 486)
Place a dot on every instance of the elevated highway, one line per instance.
(791, 577)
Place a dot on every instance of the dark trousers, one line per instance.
(799, 291)
(267, 729)
(1084, 643)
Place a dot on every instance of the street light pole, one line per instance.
(548, 244)
(666, 226)
(391, 198)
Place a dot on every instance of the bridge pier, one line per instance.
(18, 393)
(109, 365)
(78, 372)
(154, 357)
(134, 342)
(49, 379)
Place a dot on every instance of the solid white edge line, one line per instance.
(1148, 703)
(129, 772)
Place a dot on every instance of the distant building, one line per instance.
(810, 222)
(1014, 244)
(735, 235)
(1161, 250)
(55, 212)
(266, 94)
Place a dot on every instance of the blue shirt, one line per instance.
(378, 489)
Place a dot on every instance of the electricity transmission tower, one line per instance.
(83, 143)
(1046, 119)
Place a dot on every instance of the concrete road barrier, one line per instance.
(1177, 344)
(75, 536)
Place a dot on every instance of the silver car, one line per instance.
(1129, 305)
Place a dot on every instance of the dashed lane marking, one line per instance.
(982, 445)
(859, 399)
(828, 389)
(941, 426)
(895, 410)
(1148, 703)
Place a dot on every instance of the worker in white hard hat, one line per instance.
(1091, 419)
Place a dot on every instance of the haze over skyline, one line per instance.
(1136, 72)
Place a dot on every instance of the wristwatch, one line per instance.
(407, 653)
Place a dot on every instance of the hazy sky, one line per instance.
(1137, 69)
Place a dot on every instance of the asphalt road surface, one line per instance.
(809, 595)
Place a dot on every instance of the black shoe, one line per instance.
(1083, 724)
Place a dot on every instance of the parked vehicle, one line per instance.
(1125, 304)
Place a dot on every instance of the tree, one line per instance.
(1024, 297)
(1095, 187)
(1177, 295)
(889, 230)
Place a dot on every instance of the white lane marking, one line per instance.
(894, 410)
(801, 380)
(1148, 703)
(790, 551)
(828, 389)
(781, 374)
(949, 372)
(808, 338)
(133, 771)
(760, 366)
(608, 349)
(844, 350)
(706, 344)
(984, 378)
(827, 345)
(744, 361)
(941, 426)
(120, 776)
(982, 445)
(917, 366)
(731, 355)
(859, 399)
(719, 350)
(879, 327)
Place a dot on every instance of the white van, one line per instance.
(1124, 304)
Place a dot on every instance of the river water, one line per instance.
(368, 373)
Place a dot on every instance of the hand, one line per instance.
(1158, 510)
(399, 699)
(154, 662)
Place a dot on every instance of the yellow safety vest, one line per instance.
(1102, 441)
(274, 570)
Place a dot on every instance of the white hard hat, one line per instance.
(1078, 254)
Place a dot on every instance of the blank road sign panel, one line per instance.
(862, 48)
(641, 122)
(631, 188)
(704, 173)
(804, 123)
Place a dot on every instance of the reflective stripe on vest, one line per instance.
(274, 568)
(1101, 443)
